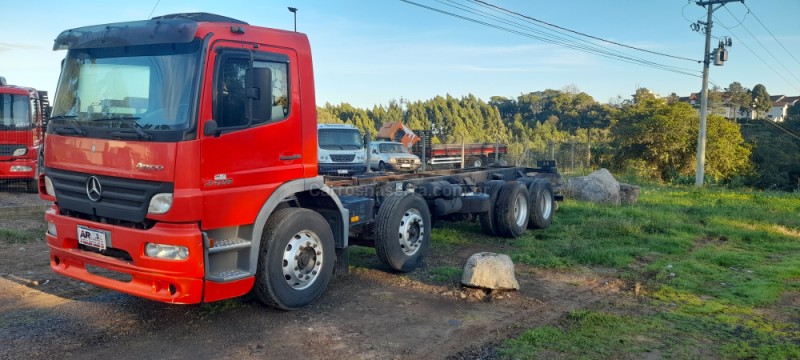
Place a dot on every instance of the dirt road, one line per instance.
(370, 314)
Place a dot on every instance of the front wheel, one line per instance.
(296, 259)
(403, 231)
(381, 166)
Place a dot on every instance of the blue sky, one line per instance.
(368, 52)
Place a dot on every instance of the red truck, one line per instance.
(23, 111)
(181, 159)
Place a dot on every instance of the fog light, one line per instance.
(51, 229)
(21, 168)
(48, 186)
(160, 203)
(20, 152)
(168, 252)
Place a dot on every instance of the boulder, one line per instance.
(599, 186)
(490, 271)
(628, 194)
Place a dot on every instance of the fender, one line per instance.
(282, 192)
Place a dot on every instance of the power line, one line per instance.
(584, 34)
(782, 129)
(154, 9)
(602, 53)
(760, 58)
(554, 34)
(764, 47)
(770, 32)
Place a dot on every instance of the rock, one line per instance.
(628, 194)
(490, 271)
(599, 186)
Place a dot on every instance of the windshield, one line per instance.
(14, 112)
(393, 148)
(143, 87)
(340, 139)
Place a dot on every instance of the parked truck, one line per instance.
(182, 163)
(23, 111)
(419, 143)
(341, 150)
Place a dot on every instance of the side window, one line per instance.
(231, 100)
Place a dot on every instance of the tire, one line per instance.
(403, 231)
(32, 186)
(487, 219)
(382, 166)
(542, 205)
(474, 161)
(513, 209)
(291, 237)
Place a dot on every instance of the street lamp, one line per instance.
(294, 11)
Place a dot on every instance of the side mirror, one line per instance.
(258, 88)
(374, 151)
(210, 128)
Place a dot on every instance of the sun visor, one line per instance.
(146, 32)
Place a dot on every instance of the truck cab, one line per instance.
(22, 112)
(341, 150)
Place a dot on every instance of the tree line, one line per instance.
(647, 135)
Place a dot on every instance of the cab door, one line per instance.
(245, 160)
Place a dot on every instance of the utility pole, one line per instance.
(701, 136)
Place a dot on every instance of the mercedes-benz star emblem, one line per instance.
(93, 189)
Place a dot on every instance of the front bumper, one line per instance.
(342, 169)
(9, 170)
(170, 281)
(401, 168)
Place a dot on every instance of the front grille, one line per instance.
(111, 252)
(8, 149)
(405, 161)
(122, 200)
(342, 157)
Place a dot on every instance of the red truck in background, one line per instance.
(181, 160)
(419, 143)
(23, 112)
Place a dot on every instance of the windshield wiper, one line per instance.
(138, 129)
(70, 121)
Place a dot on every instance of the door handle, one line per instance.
(290, 157)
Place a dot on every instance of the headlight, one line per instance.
(392, 160)
(323, 158)
(360, 157)
(160, 203)
(169, 252)
(416, 161)
(48, 185)
(20, 152)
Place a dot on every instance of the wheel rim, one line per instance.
(546, 204)
(520, 210)
(477, 163)
(411, 232)
(302, 260)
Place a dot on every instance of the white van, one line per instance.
(340, 150)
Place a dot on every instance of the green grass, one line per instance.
(711, 260)
(585, 335)
(12, 236)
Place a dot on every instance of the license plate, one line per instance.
(341, 171)
(93, 238)
(405, 165)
